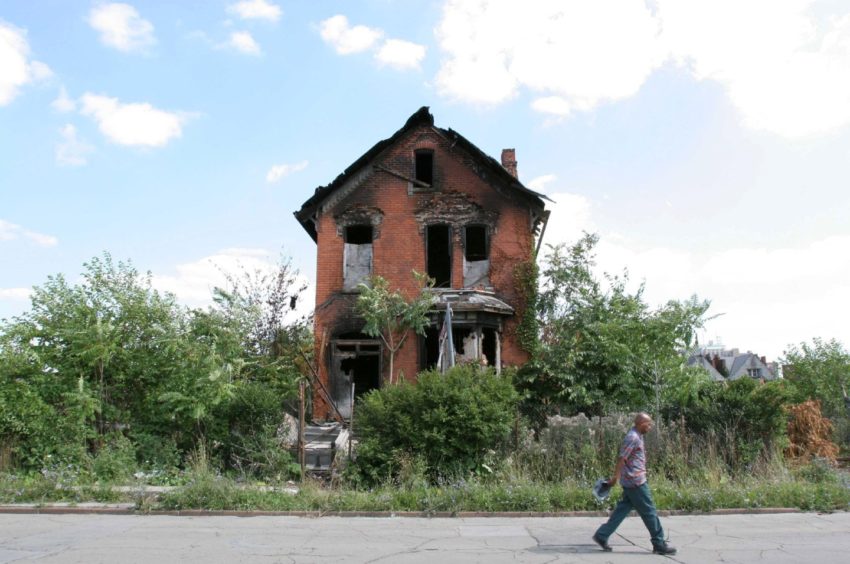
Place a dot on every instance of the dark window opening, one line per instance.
(356, 360)
(424, 167)
(488, 347)
(475, 238)
(364, 372)
(459, 335)
(430, 352)
(358, 234)
(438, 245)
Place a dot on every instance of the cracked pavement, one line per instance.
(773, 538)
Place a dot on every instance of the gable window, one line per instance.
(357, 255)
(438, 246)
(476, 256)
(424, 166)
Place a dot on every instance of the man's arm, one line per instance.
(621, 461)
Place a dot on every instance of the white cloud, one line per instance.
(256, 10)
(570, 216)
(279, 171)
(539, 183)
(769, 298)
(16, 70)
(784, 64)
(138, 124)
(121, 27)
(583, 52)
(63, 103)
(554, 105)
(400, 54)
(345, 39)
(11, 232)
(243, 42)
(193, 282)
(786, 70)
(15, 293)
(72, 151)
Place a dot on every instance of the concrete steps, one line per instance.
(322, 442)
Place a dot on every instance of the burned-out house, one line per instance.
(425, 199)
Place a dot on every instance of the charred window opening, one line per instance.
(356, 360)
(424, 167)
(461, 337)
(357, 255)
(476, 261)
(488, 347)
(475, 238)
(439, 263)
(430, 351)
(358, 234)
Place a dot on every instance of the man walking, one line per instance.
(631, 472)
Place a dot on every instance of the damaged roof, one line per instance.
(471, 300)
(419, 118)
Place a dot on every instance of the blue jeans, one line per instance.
(640, 500)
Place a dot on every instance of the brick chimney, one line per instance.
(509, 161)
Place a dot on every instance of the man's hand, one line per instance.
(617, 471)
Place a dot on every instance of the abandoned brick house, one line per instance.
(425, 199)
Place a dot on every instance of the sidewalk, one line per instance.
(164, 539)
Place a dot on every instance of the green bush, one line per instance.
(246, 432)
(448, 422)
(115, 461)
(745, 416)
(24, 425)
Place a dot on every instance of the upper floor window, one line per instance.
(476, 256)
(438, 246)
(357, 255)
(424, 166)
(475, 243)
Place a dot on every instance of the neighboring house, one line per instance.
(707, 364)
(730, 364)
(425, 199)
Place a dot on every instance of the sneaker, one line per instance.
(602, 544)
(664, 549)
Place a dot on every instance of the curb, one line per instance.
(129, 509)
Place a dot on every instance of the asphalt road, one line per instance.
(798, 537)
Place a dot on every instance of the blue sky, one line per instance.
(707, 142)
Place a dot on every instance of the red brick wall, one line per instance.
(399, 246)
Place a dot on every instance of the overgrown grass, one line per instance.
(40, 489)
(552, 474)
(217, 493)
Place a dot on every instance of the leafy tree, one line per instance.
(391, 316)
(602, 348)
(110, 357)
(820, 370)
(259, 306)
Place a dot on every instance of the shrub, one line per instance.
(246, 431)
(745, 412)
(448, 422)
(809, 433)
(115, 461)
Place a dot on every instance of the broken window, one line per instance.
(476, 260)
(356, 361)
(488, 346)
(439, 261)
(424, 167)
(430, 351)
(357, 255)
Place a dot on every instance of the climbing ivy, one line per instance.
(525, 278)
